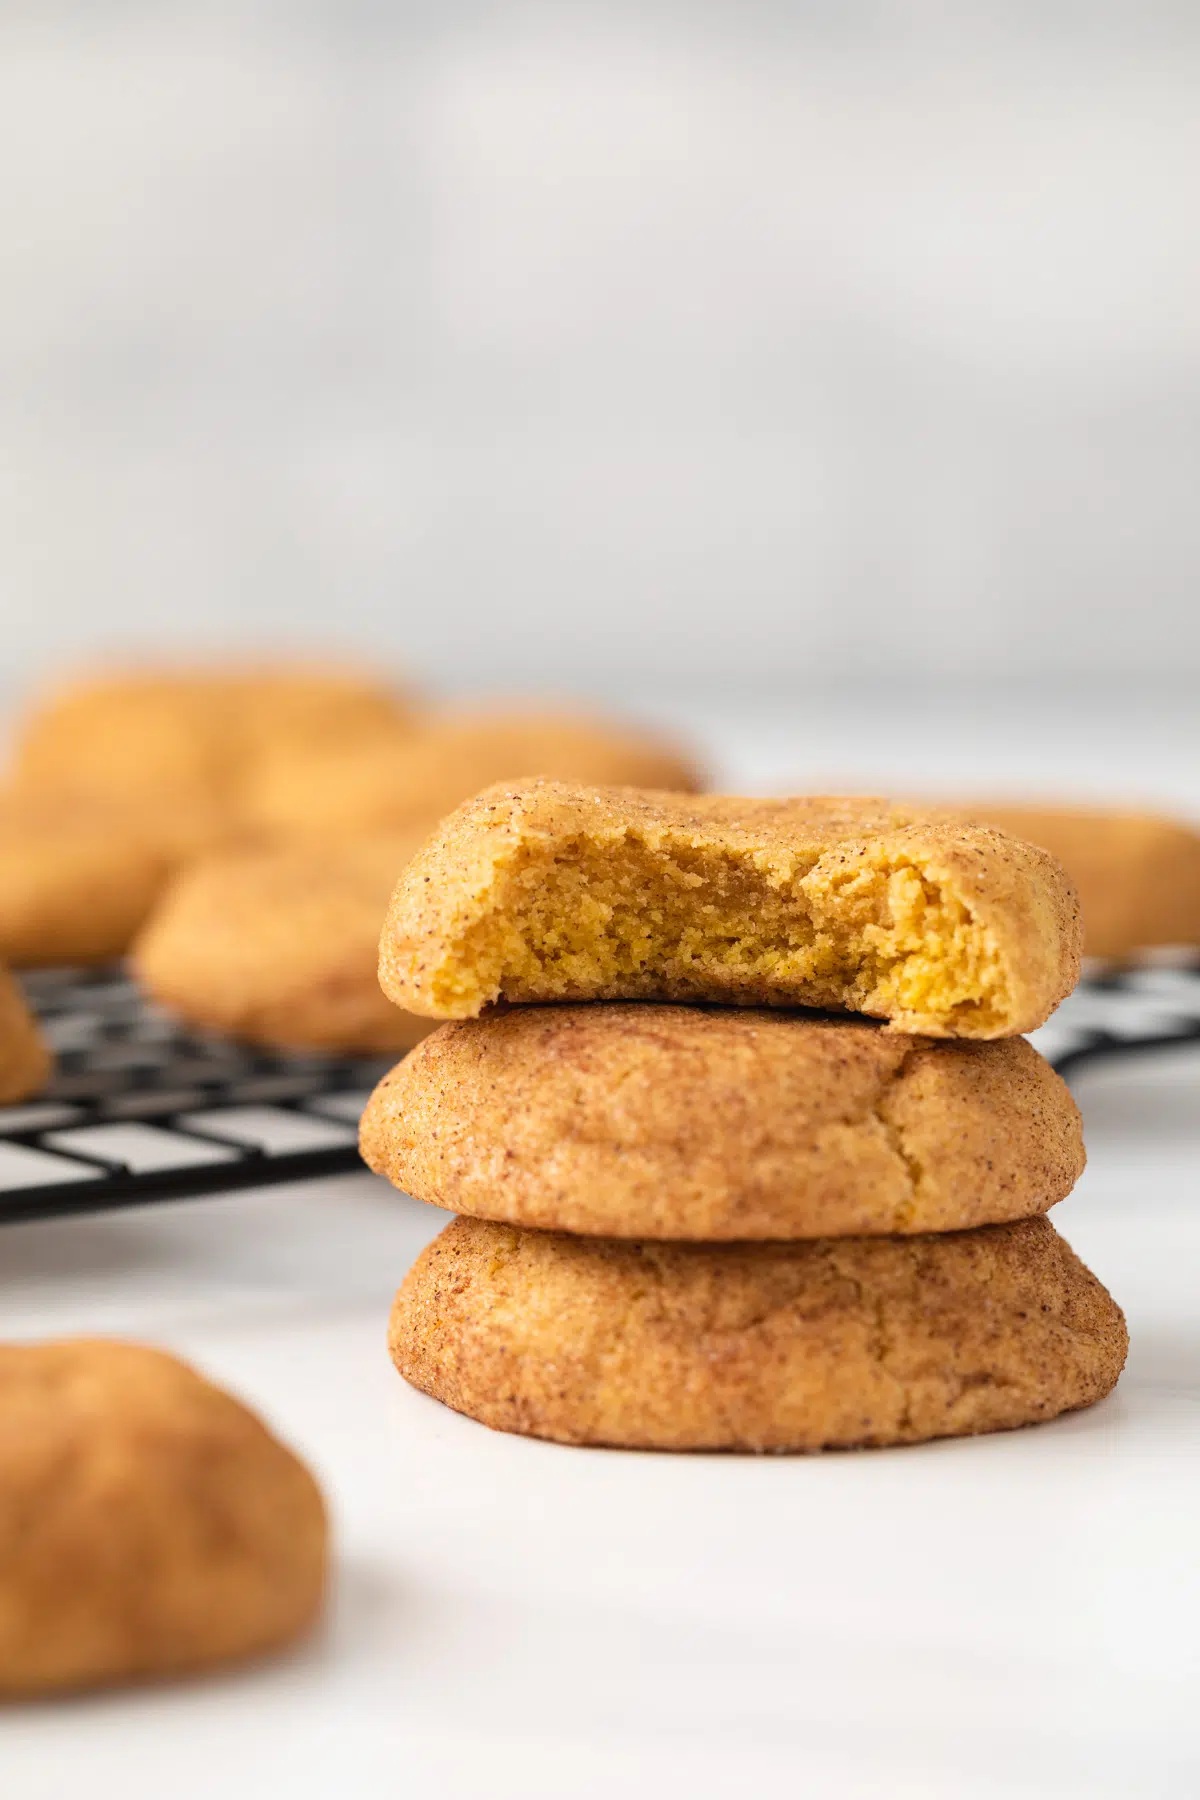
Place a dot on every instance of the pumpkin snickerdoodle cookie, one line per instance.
(150, 1524)
(377, 782)
(829, 1343)
(279, 947)
(24, 1059)
(546, 892)
(632, 1120)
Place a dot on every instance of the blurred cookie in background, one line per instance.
(1138, 874)
(410, 782)
(25, 1062)
(150, 1524)
(191, 736)
(280, 947)
(77, 878)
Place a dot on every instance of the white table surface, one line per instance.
(1012, 1616)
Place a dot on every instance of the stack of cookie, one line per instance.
(708, 1220)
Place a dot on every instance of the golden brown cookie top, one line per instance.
(191, 734)
(636, 1120)
(547, 892)
(118, 1460)
(51, 1389)
(411, 781)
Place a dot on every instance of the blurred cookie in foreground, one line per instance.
(411, 782)
(191, 736)
(280, 947)
(150, 1524)
(633, 1120)
(25, 1062)
(77, 878)
(543, 891)
(1138, 874)
(804, 1346)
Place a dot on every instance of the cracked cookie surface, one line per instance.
(831, 1343)
(636, 1120)
(546, 892)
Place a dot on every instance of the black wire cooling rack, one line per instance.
(141, 1109)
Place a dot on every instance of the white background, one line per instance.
(578, 345)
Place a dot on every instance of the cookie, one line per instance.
(77, 879)
(279, 947)
(24, 1059)
(189, 737)
(150, 1524)
(834, 1342)
(410, 782)
(1138, 875)
(644, 1121)
(544, 892)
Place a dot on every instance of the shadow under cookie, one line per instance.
(832, 1343)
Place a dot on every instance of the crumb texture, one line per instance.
(639, 1120)
(149, 1523)
(755, 1347)
(545, 892)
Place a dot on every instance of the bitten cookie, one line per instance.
(679, 1122)
(831, 1343)
(279, 947)
(150, 1524)
(1138, 875)
(408, 783)
(548, 892)
(24, 1059)
(190, 737)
